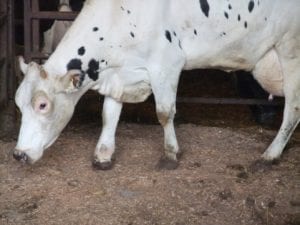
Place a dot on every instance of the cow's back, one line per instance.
(223, 34)
(235, 34)
(212, 34)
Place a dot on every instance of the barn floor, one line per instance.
(220, 180)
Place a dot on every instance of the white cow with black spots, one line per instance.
(127, 49)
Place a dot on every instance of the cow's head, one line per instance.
(47, 104)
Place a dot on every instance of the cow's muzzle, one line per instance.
(21, 156)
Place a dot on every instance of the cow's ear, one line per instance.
(23, 65)
(72, 81)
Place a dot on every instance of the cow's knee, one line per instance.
(165, 113)
(163, 117)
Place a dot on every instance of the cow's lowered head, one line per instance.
(47, 104)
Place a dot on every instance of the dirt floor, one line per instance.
(220, 180)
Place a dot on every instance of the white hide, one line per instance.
(268, 73)
(128, 85)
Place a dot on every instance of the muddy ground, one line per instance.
(220, 180)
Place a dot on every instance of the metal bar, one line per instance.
(38, 55)
(3, 56)
(53, 15)
(35, 27)
(27, 30)
(11, 50)
(228, 101)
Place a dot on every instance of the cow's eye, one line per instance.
(43, 106)
(41, 103)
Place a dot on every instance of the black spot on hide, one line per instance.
(226, 15)
(204, 7)
(251, 6)
(168, 36)
(81, 51)
(179, 44)
(93, 69)
(74, 64)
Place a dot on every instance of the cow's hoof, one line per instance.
(102, 165)
(167, 164)
(262, 165)
(20, 156)
(267, 156)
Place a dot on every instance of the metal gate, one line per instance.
(7, 66)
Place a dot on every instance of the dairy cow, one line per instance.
(127, 50)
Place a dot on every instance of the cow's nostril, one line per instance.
(20, 156)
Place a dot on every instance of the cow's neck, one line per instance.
(82, 55)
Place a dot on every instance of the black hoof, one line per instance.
(167, 164)
(102, 165)
(262, 165)
(20, 156)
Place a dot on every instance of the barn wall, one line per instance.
(3, 54)
(7, 67)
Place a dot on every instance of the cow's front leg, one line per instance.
(106, 144)
(165, 100)
(165, 113)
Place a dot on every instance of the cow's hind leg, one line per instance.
(106, 144)
(290, 62)
(289, 123)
